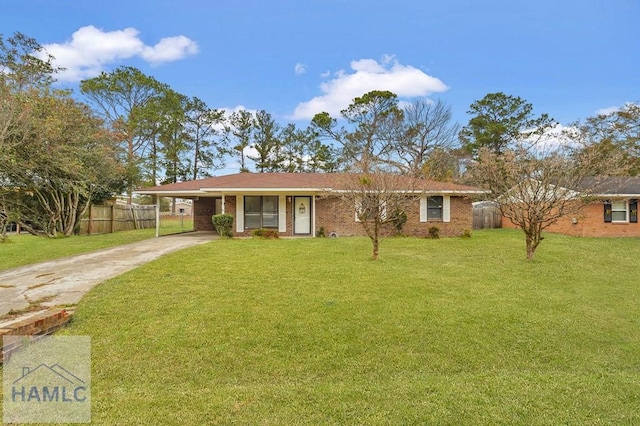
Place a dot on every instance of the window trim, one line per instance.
(446, 209)
(262, 212)
(625, 210)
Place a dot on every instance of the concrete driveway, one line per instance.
(65, 281)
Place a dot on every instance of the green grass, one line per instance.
(175, 225)
(311, 331)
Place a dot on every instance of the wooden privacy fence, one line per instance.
(486, 216)
(108, 219)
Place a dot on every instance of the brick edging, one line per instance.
(37, 326)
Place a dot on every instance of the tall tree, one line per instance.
(66, 159)
(319, 157)
(615, 133)
(499, 120)
(202, 126)
(121, 98)
(239, 130)
(173, 138)
(426, 135)
(368, 143)
(21, 68)
(265, 142)
(22, 76)
(290, 150)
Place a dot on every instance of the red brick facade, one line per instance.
(589, 223)
(203, 210)
(332, 214)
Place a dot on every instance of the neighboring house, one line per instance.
(299, 204)
(611, 209)
(182, 208)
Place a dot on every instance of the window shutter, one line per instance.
(633, 211)
(282, 214)
(423, 209)
(239, 213)
(607, 211)
(446, 208)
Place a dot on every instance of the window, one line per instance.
(618, 211)
(371, 208)
(261, 212)
(621, 211)
(434, 207)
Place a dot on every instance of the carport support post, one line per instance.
(157, 215)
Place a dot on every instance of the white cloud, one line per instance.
(607, 111)
(91, 49)
(300, 69)
(368, 74)
(613, 109)
(170, 49)
(553, 139)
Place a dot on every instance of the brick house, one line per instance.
(299, 204)
(611, 210)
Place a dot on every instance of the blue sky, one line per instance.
(569, 58)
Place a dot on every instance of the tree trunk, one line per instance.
(533, 240)
(375, 247)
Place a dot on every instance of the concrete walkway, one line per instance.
(65, 281)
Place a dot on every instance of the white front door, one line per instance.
(302, 215)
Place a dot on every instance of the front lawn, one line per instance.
(311, 331)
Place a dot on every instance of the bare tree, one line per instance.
(534, 186)
(368, 151)
(379, 199)
(427, 133)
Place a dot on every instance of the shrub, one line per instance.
(466, 233)
(434, 232)
(267, 234)
(223, 224)
(321, 232)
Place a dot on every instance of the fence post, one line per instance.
(89, 225)
(133, 216)
(112, 219)
(157, 211)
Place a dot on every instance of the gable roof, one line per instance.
(246, 183)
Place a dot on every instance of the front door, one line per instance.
(302, 215)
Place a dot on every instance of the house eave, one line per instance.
(236, 191)
(162, 193)
(614, 195)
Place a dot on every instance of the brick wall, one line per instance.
(335, 216)
(203, 209)
(590, 223)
